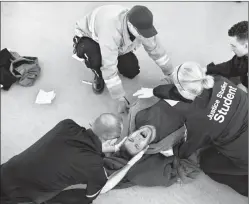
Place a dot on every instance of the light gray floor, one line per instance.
(189, 31)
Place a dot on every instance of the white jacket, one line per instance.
(107, 25)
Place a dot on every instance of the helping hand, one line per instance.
(144, 93)
(109, 145)
(117, 146)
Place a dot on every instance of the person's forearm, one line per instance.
(109, 149)
(225, 69)
(158, 54)
(167, 68)
(169, 91)
(162, 91)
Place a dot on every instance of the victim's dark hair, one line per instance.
(239, 30)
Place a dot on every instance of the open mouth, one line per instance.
(143, 135)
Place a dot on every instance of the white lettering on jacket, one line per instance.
(218, 112)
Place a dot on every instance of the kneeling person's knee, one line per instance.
(89, 50)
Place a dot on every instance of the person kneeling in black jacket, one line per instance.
(67, 155)
(216, 117)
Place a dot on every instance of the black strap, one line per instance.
(127, 100)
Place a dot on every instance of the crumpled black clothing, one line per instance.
(6, 77)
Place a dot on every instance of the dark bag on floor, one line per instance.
(26, 69)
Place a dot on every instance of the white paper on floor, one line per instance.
(44, 97)
(171, 102)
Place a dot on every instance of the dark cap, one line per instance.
(142, 19)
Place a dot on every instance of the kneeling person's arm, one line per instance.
(156, 51)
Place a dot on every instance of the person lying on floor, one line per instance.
(66, 155)
(217, 116)
(158, 129)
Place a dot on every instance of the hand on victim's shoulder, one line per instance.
(110, 146)
(144, 93)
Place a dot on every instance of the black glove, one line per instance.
(76, 40)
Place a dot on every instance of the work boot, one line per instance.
(98, 83)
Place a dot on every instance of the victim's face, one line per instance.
(139, 140)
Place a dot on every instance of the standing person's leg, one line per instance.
(222, 169)
(128, 65)
(89, 50)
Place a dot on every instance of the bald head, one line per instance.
(108, 126)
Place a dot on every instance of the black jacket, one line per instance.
(236, 67)
(6, 77)
(215, 118)
(67, 155)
